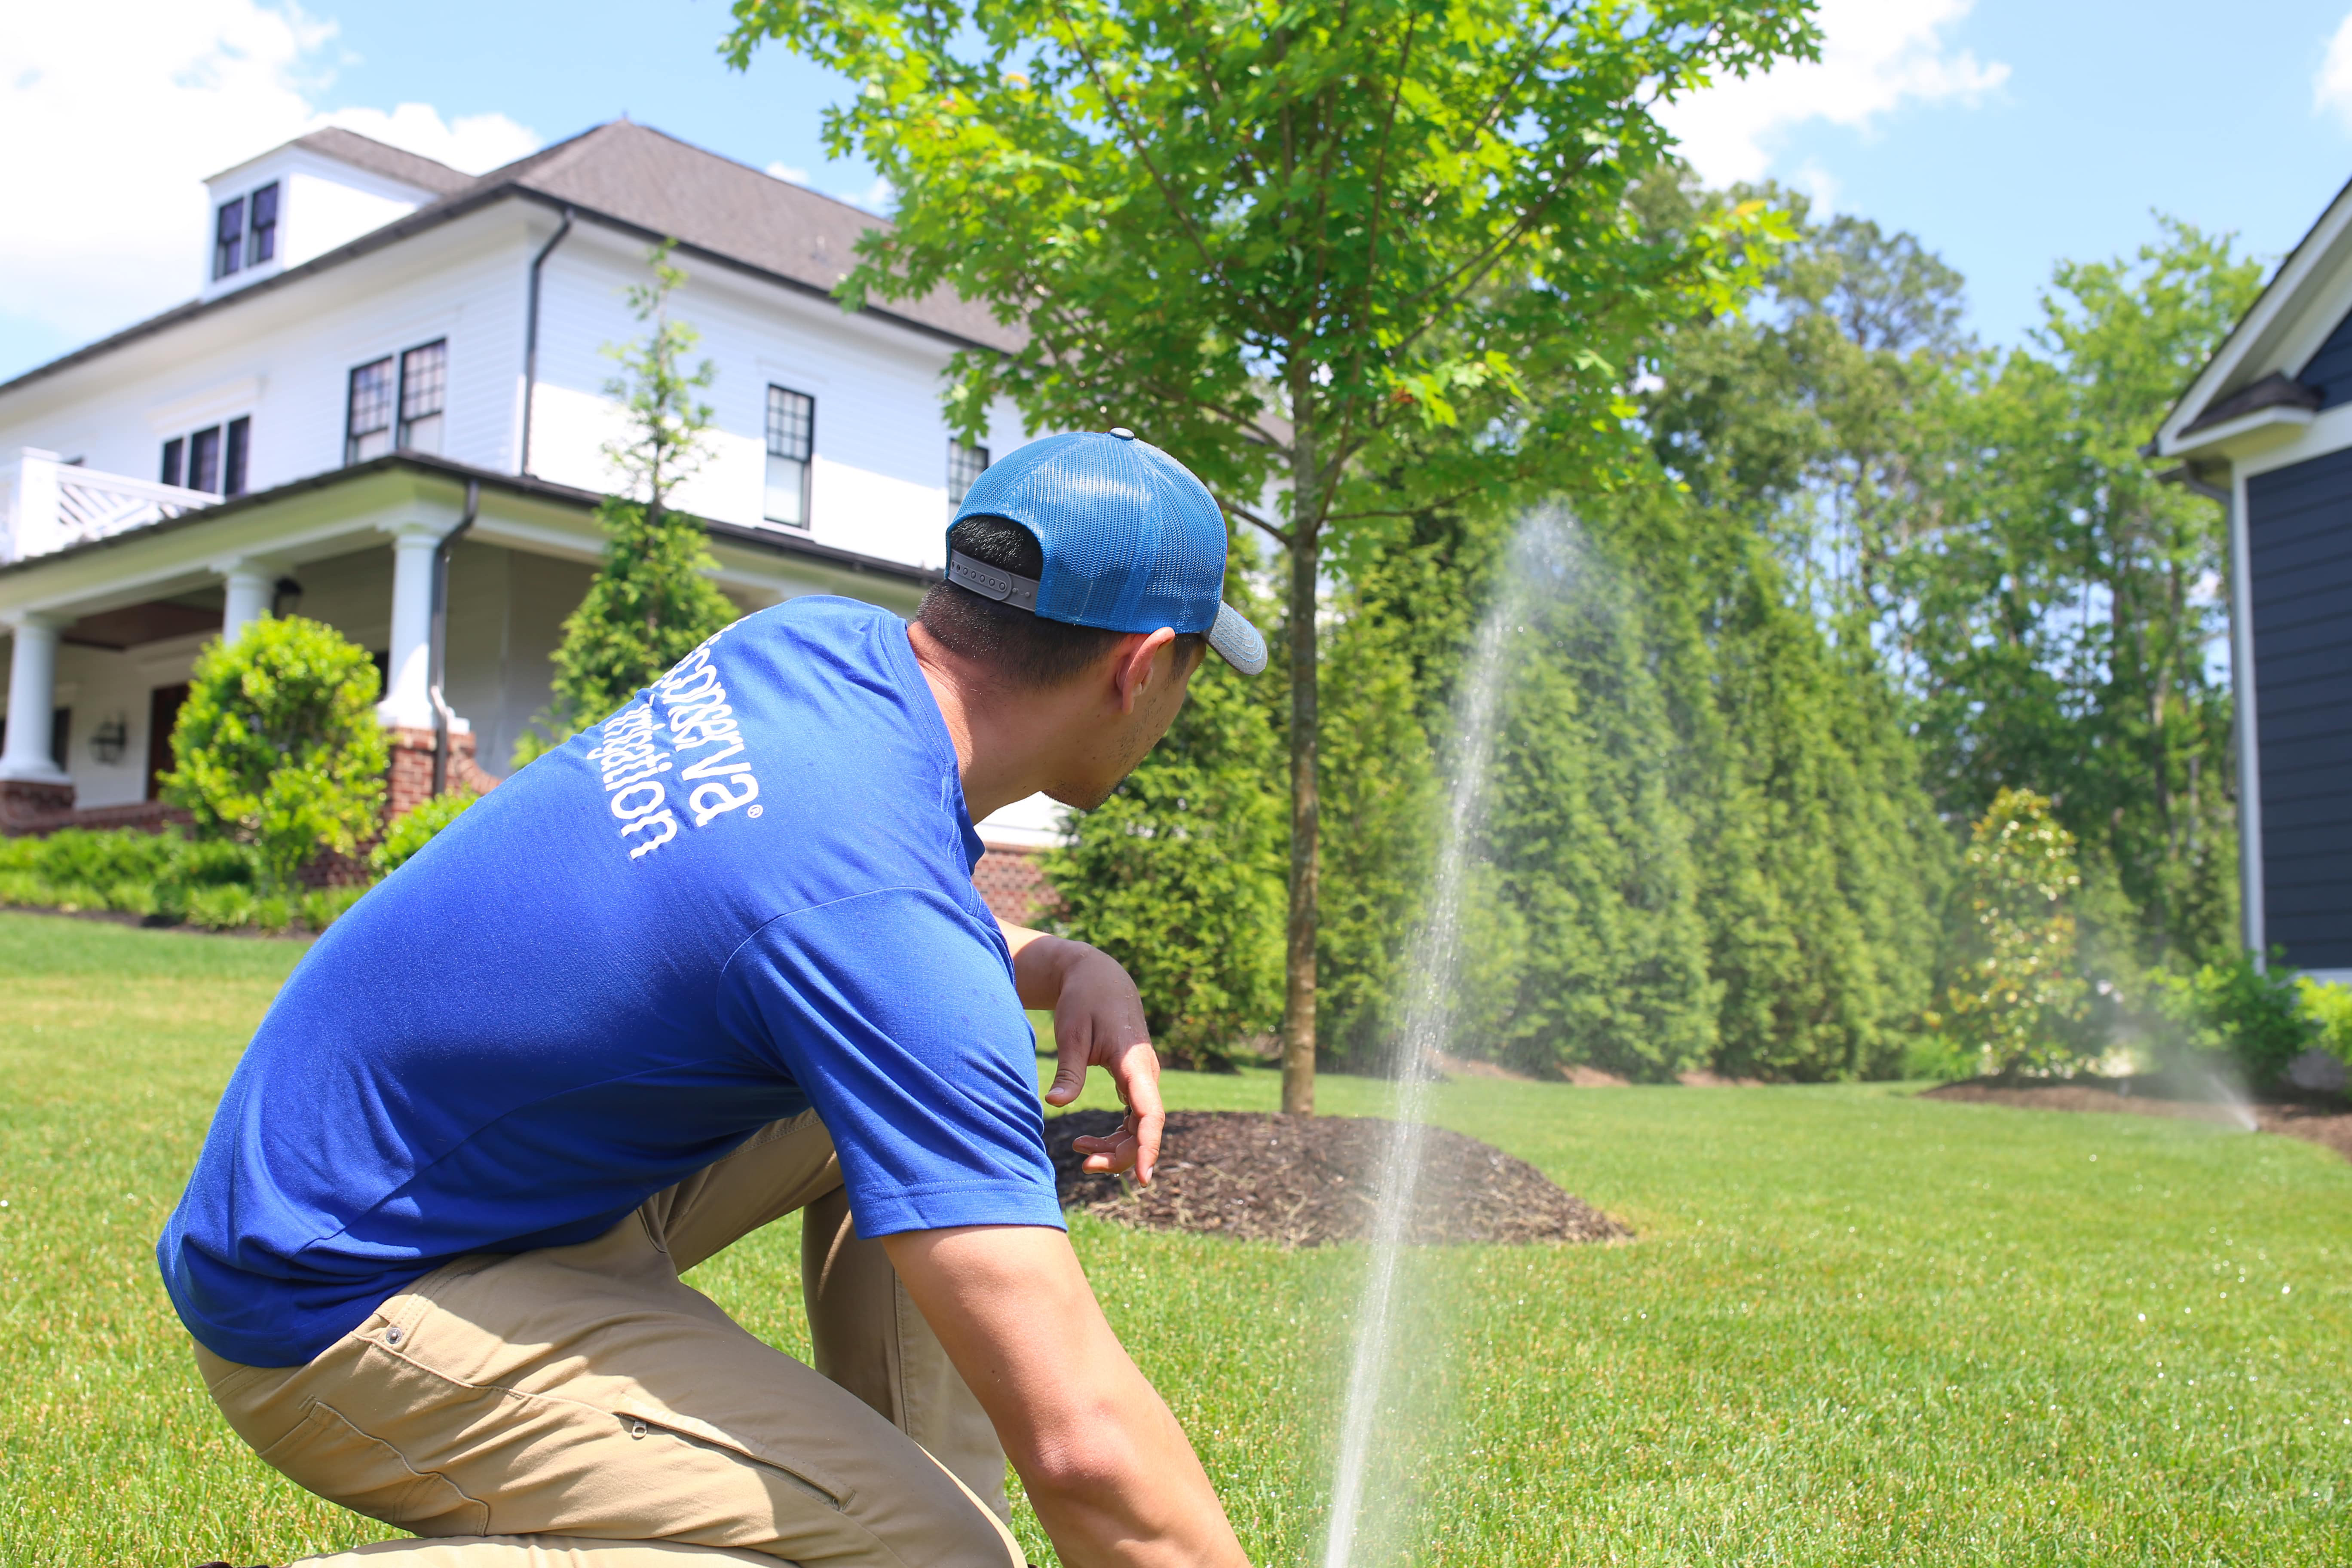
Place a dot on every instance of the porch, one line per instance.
(109, 586)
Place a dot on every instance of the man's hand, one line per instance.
(1098, 1022)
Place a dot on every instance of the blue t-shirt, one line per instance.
(747, 892)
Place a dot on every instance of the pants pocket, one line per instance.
(326, 1453)
(651, 1427)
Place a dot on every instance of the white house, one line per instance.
(379, 338)
(2266, 429)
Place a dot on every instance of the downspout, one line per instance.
(530, 340)
(2242, 716)
(437, 645)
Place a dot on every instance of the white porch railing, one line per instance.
(47, 505)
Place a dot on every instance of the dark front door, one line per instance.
(163, 712)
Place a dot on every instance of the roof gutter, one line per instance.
(530, 341)
(436, 656)
(2252, 923)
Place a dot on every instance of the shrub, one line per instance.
(415, 828)
(164, 877)
(2329, 1008)
(78, 868)
(2015, 997)
(278, 745)
(2254, 1018)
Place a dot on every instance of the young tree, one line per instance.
(278, 744)
(2016, 994)
(652, 601)
(1280, 240)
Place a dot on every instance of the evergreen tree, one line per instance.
(652, 601)
(1179, 875)
(1594, 892)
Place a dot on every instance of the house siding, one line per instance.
(2329, 368)
(2299, 537)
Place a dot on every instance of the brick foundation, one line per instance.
(410, 781)
(27, 806)
(30, 808)
(1013, 886)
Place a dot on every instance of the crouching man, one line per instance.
(717, 961)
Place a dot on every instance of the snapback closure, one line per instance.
(992, 582)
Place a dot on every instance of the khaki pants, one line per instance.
(583, 1400)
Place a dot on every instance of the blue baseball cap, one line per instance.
(1132, 542)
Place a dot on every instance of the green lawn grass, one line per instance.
(1856, 1327)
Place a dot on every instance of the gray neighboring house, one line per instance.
(2266, 429)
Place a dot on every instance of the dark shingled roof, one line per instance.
(636, 176)
(367, 153)
(2275, 389)
(634, 173)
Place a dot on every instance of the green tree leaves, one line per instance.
(652, 601)
(278, 744)
(1289, 244)
(2016, 995)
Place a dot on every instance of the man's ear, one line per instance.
(1132, 663)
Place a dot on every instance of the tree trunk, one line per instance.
(1306, 812)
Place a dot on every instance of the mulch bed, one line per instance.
(1302, 1180)
(2323, 1119)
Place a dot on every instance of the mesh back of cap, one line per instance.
(1132, 540)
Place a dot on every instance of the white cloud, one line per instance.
(114, 114)
(2331, 90)
(1821, 186)
(1876, 54)
(879, 197)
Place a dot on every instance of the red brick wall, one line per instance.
(410, 777)
(1015, 890)
(38, 808)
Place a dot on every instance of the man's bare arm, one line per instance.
(1098, 1022)
(1112, 1477)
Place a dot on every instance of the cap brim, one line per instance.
(1237, 642)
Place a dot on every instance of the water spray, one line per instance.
(1538, 555)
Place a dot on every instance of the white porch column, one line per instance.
(32, 698)
(250, 588)
(28, 504)
(407, 703)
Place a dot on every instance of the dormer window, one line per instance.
(228, 238)
(262, 209)
(244, 232)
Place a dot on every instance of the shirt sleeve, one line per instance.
(896, 1012)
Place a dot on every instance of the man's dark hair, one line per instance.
(1025, 650)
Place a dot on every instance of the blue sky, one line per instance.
(2006, 133)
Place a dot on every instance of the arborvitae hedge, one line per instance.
(1180, 874)
(1706, 844)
